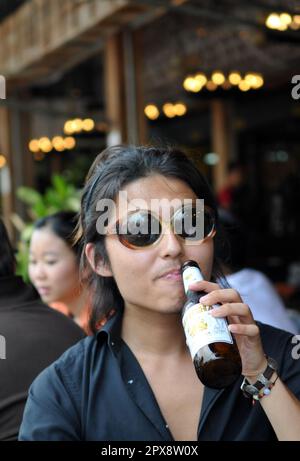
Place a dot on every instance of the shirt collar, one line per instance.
(111, 331)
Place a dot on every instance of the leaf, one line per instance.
(52, 199)
(22, 258)
(29, 195)
(60, 185)
(40, 210)
(26, 233)
(73, 204)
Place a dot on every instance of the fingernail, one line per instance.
(195, 284)
(192, 285)
(204, 299)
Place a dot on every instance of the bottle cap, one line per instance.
(189, 263)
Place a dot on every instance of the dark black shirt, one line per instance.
(97, 391)
(32, 336)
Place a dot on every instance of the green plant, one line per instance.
(61, 196)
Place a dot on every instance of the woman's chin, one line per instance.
(174, 306)
(47, 299)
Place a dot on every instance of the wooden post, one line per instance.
(221, 140)
(114, 90)
(123, 89)
(6, 171)
(140, 98)
(130, 87)
(22, 161)
(28, 162)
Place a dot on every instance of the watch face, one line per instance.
(249, 389)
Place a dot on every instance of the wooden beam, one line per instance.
(44, 35)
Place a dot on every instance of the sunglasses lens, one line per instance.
(193, 224)
(140, 229)
(185, 223)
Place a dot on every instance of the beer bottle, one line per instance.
(214, 352)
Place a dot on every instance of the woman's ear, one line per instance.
(100, 267)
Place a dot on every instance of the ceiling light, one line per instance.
(151, 112)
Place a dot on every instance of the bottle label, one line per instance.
(202, 329)
(191, 275)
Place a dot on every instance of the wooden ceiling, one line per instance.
(226, 34)
(178, 37)
(8, 7)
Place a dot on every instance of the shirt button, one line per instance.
(112, 343)
(167, 426)
(130, 381)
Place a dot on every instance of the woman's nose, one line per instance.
(40, 272)
(170, 244)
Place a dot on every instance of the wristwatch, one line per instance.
(263, 385)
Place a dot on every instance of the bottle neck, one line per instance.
(191, 274)
(194, 295)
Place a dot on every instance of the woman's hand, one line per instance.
(241, 324)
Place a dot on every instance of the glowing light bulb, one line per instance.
(180, 109)
(87, 124)
(244, 85)
(218, 78)
(69, 142)
(151, 111)
(45, 144)
(2, 160)
(34, 145)
(273, 21)
(234, 78)
(168, 110)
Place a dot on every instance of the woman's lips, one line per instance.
(43, 291)
(173, 276)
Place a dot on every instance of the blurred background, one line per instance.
(214, 77)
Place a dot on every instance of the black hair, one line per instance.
(232, 248)
(62, 224)
(7, 260)
(111, 171)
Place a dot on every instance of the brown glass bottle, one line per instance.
(214, 352)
